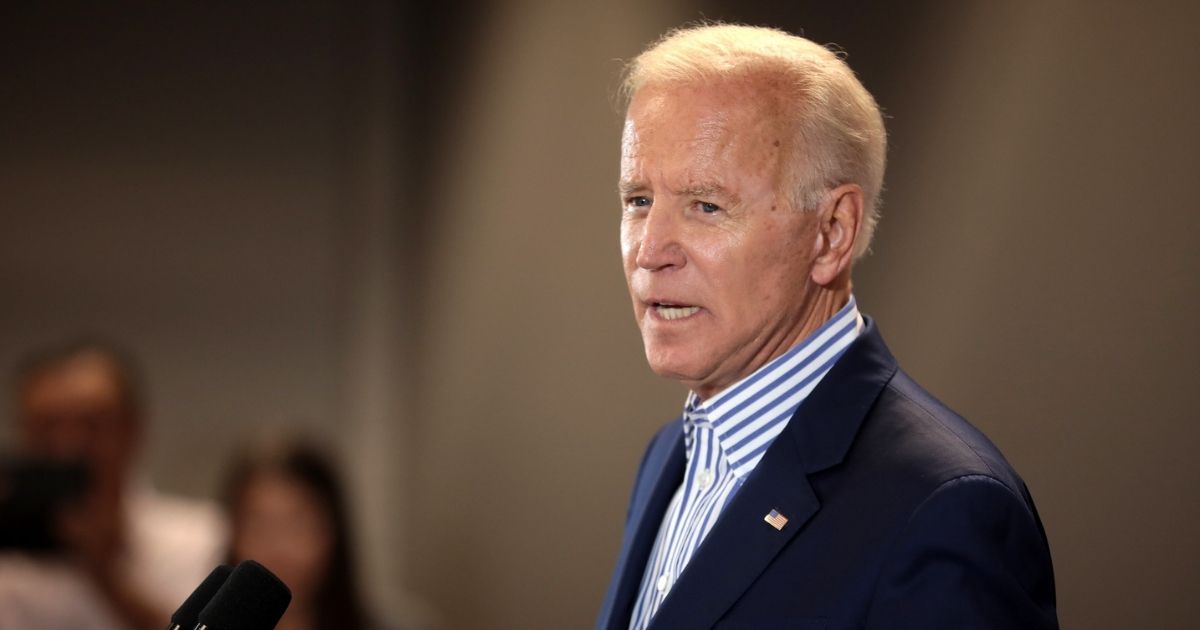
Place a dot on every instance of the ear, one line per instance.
(840, 218)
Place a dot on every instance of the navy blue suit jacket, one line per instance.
(900, 515)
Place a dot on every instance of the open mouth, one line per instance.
(674, 311)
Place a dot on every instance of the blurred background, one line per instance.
(393, 227)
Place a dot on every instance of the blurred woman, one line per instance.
(288, 513)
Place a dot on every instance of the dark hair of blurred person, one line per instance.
(289, 513)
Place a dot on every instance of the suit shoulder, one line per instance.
(973, 548)
(919, 437)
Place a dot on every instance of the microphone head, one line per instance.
(251, 599)
(189, 612)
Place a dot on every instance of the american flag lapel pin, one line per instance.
(775, 519)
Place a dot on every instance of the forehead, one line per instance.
(80, 381)
(701, 127)
(707, 106)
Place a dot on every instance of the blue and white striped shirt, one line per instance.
(724, 439)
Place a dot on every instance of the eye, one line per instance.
(638, 202)
(708, 208)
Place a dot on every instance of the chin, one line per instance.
(672, 367)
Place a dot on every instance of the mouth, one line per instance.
(671, 312)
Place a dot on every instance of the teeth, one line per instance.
(676, 312)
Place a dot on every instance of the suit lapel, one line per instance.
(663, 472)
(741, 544)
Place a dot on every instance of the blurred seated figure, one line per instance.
(125, 556)
(289, 513)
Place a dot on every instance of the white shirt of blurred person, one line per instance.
(133, 554)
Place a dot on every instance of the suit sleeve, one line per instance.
(972, 555)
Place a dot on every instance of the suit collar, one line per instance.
(664, 465)
(824, 427)
(742, 544)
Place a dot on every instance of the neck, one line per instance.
(824, 303)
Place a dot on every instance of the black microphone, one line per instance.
(189, 612)
(251, 599)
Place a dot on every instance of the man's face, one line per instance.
(716, 258)
(75, 411)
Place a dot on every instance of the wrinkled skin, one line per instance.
(709, 231)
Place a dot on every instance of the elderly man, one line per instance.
(810, 482)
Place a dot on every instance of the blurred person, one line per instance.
(128, 555)
(288, 512)
(809, 483)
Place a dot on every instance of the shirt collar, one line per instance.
(747, 415)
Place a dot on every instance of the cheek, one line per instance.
(767, 272)
(733, 270)
(629, 244)
(296, 549)
(310, 551)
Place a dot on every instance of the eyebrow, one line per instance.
(703, 190)
(709, 190)
(625, 187)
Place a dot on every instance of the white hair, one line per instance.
(841, 137)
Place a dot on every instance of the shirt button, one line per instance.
(664, 581)
(705, 479)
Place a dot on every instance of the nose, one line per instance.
(661, 246)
